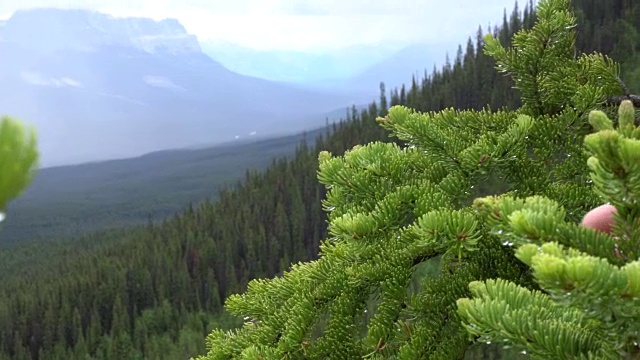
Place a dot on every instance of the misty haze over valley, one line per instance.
(98, 87)
(142, 108)
(101, 87)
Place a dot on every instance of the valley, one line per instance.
(135, 258)
(72, 200)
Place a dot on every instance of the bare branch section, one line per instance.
(625, 88)
(617, 100)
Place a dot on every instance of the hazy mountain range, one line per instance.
(98, 87)
(355, 70)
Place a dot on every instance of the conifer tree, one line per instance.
(536, 278)
(587, 304)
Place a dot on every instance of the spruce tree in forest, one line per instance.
(515, 268)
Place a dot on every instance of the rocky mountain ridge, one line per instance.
(86, 30)
(98, 87)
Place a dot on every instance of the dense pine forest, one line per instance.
(155, 291)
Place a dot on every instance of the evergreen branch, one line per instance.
(391, 209)
(503, 311)
(593, 278)
(19, 156)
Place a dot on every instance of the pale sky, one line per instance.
(305, 24)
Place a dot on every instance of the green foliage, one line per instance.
(166, 281)
(590, 281)
(394, 207)
(18, 158)
(58, 297)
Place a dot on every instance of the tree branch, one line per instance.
(625, 88)
(627, 95)
(617, 100)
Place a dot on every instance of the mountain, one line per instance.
(395, 70)
(72, 200)
(48, 30)
(98, 87)
(354, 71)
(298, 67)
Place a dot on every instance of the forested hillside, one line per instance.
(156, 291)
(79, 199)
(612, 27)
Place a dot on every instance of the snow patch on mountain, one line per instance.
(35, 78)
(162, 82)
(60, 29)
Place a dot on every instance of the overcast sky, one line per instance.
(305, 24)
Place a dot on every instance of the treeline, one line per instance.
(612, 27)
(156, 291)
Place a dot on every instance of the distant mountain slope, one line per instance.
(298, 66)
(355, 71)
(397, 69)
(51, 29)
(394, 70)
(72, 200)
(99, 87)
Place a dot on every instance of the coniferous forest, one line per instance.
(157, 291)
